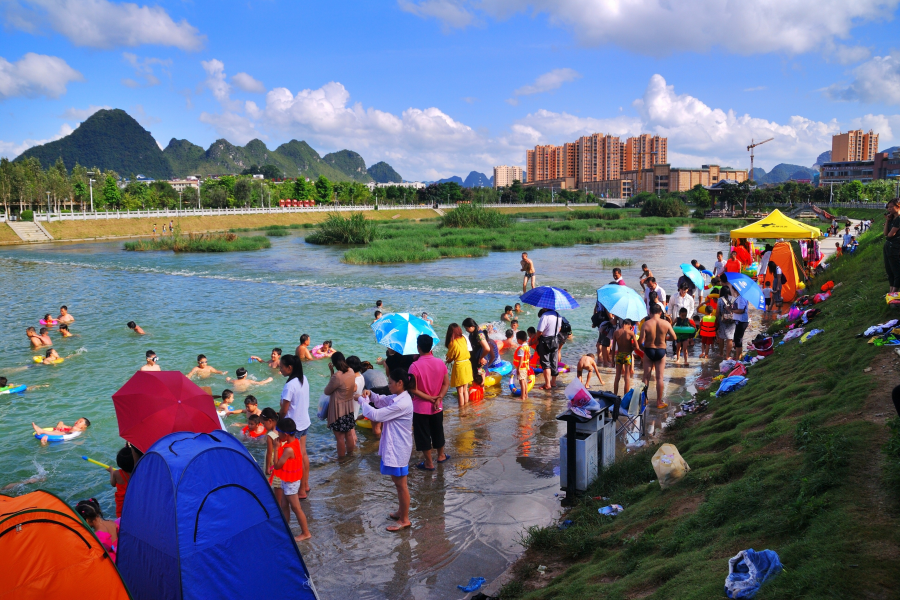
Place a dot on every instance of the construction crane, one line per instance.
(750, 149)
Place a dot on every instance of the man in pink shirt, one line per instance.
(432, 383)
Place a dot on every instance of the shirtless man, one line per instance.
(655, 335)
(64, 316)
(303, 352)
(134, 327)
(276, 359)
(242, 384)
(38, 340)
(587, 365)
(624, 343)
(528, 269)
(646, 274)
(152, 362)
(203, 369)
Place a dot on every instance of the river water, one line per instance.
(467, 516)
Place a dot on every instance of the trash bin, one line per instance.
(585, 459)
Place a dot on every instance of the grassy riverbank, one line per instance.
(384, 243)
(793, 462)
(201, 242)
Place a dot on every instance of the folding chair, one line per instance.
(633, 410)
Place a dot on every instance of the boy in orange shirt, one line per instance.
(522, 362)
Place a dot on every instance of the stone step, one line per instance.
(29, 231)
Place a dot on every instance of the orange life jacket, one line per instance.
(708, 327)
(522, 357)
(476, 393)
(292, 470)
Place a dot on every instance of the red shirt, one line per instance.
(733, 266)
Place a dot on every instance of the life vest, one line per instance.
(708, 326)
(120, 492)
(476, 393)
(292, 470)
(251, 434)
(519, 359)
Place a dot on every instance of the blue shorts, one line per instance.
(301, 434)
(395, 471)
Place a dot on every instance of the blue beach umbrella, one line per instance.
(747, 288)
(693, 274)
(622, 301)
(398, 331)
(545, 296)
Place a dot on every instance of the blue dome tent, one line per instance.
(197, 507)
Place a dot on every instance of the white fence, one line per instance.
(162, 213)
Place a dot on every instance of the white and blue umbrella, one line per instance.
(545, 296)
(398, 331)
(748, 289)
(622, 301)
(693, 274)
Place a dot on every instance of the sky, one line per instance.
(443, 87)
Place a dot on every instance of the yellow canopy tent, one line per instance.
(776, 225)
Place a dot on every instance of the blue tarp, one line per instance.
(197, 511)
(729, 384)
(749, 570)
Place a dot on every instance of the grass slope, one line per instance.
(792, 463)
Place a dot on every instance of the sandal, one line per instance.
(422, 466)
(446, 458)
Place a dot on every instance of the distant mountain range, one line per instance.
(112, 139)
(782, 172)
(474, 179)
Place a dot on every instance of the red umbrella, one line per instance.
(156, 403)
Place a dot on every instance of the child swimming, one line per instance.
(242, 384)
(61, 429)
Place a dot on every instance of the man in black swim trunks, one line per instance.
(655, 334)
(528, 269)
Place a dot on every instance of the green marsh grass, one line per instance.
(789, 463)
(201, 242)
(616, 262)
(338, 229)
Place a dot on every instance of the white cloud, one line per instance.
(248, 83)
(845, 55)
(104, 24)
(11, 150)
(236, 128)
(144, 69)
(875, 81)
(450, 12)
(658, 28)
(758, 88)
(216, 83)
(80, 114)
(549, 81)
(36, 75)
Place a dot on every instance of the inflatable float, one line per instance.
(40, 359)
(245, 430)
(363, 422)
(222, 409)
(12, 389)
(503, 367)
(58, 437)
(51, 323)
(492, 379)
(684, 332)
(514, 385)
(317, 352)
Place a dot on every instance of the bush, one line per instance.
(26, 215)
(337, 229)
(664, 207)
(699, 214)
(469, 215)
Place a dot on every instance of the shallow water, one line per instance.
(467, 515)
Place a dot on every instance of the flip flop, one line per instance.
(662, 406)
(394, 516)
(422, 466)
(446, 458)
(396, 528)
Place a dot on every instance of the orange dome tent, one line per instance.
(50, 552)
(783, 256)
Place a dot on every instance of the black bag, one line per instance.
(596, 320)
(566, 328)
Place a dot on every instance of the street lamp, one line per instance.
(91, 185)
(48, 206)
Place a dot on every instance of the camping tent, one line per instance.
(783, 256)
(777, 226)
(197, 512)
(50, 552)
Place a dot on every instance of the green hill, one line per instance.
(349, 163)
(108, 139)
(782, 172)
(111, 139)
(384, 173)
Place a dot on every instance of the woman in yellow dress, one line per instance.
(458, 355)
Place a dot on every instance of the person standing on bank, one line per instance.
(548, 328)
(891, 245)
(432, 382)
(528, 269)
(295, 406)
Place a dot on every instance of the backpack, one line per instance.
(566, 328)
(596, 320)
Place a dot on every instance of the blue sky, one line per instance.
(443, 87)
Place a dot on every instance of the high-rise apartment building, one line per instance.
(644, 151)
(504, 176)
(854, 145)
(598, 158)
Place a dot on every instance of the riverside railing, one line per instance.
(164, 213)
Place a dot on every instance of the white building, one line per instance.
(504, 176)
(182, 184)
(416, 185)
